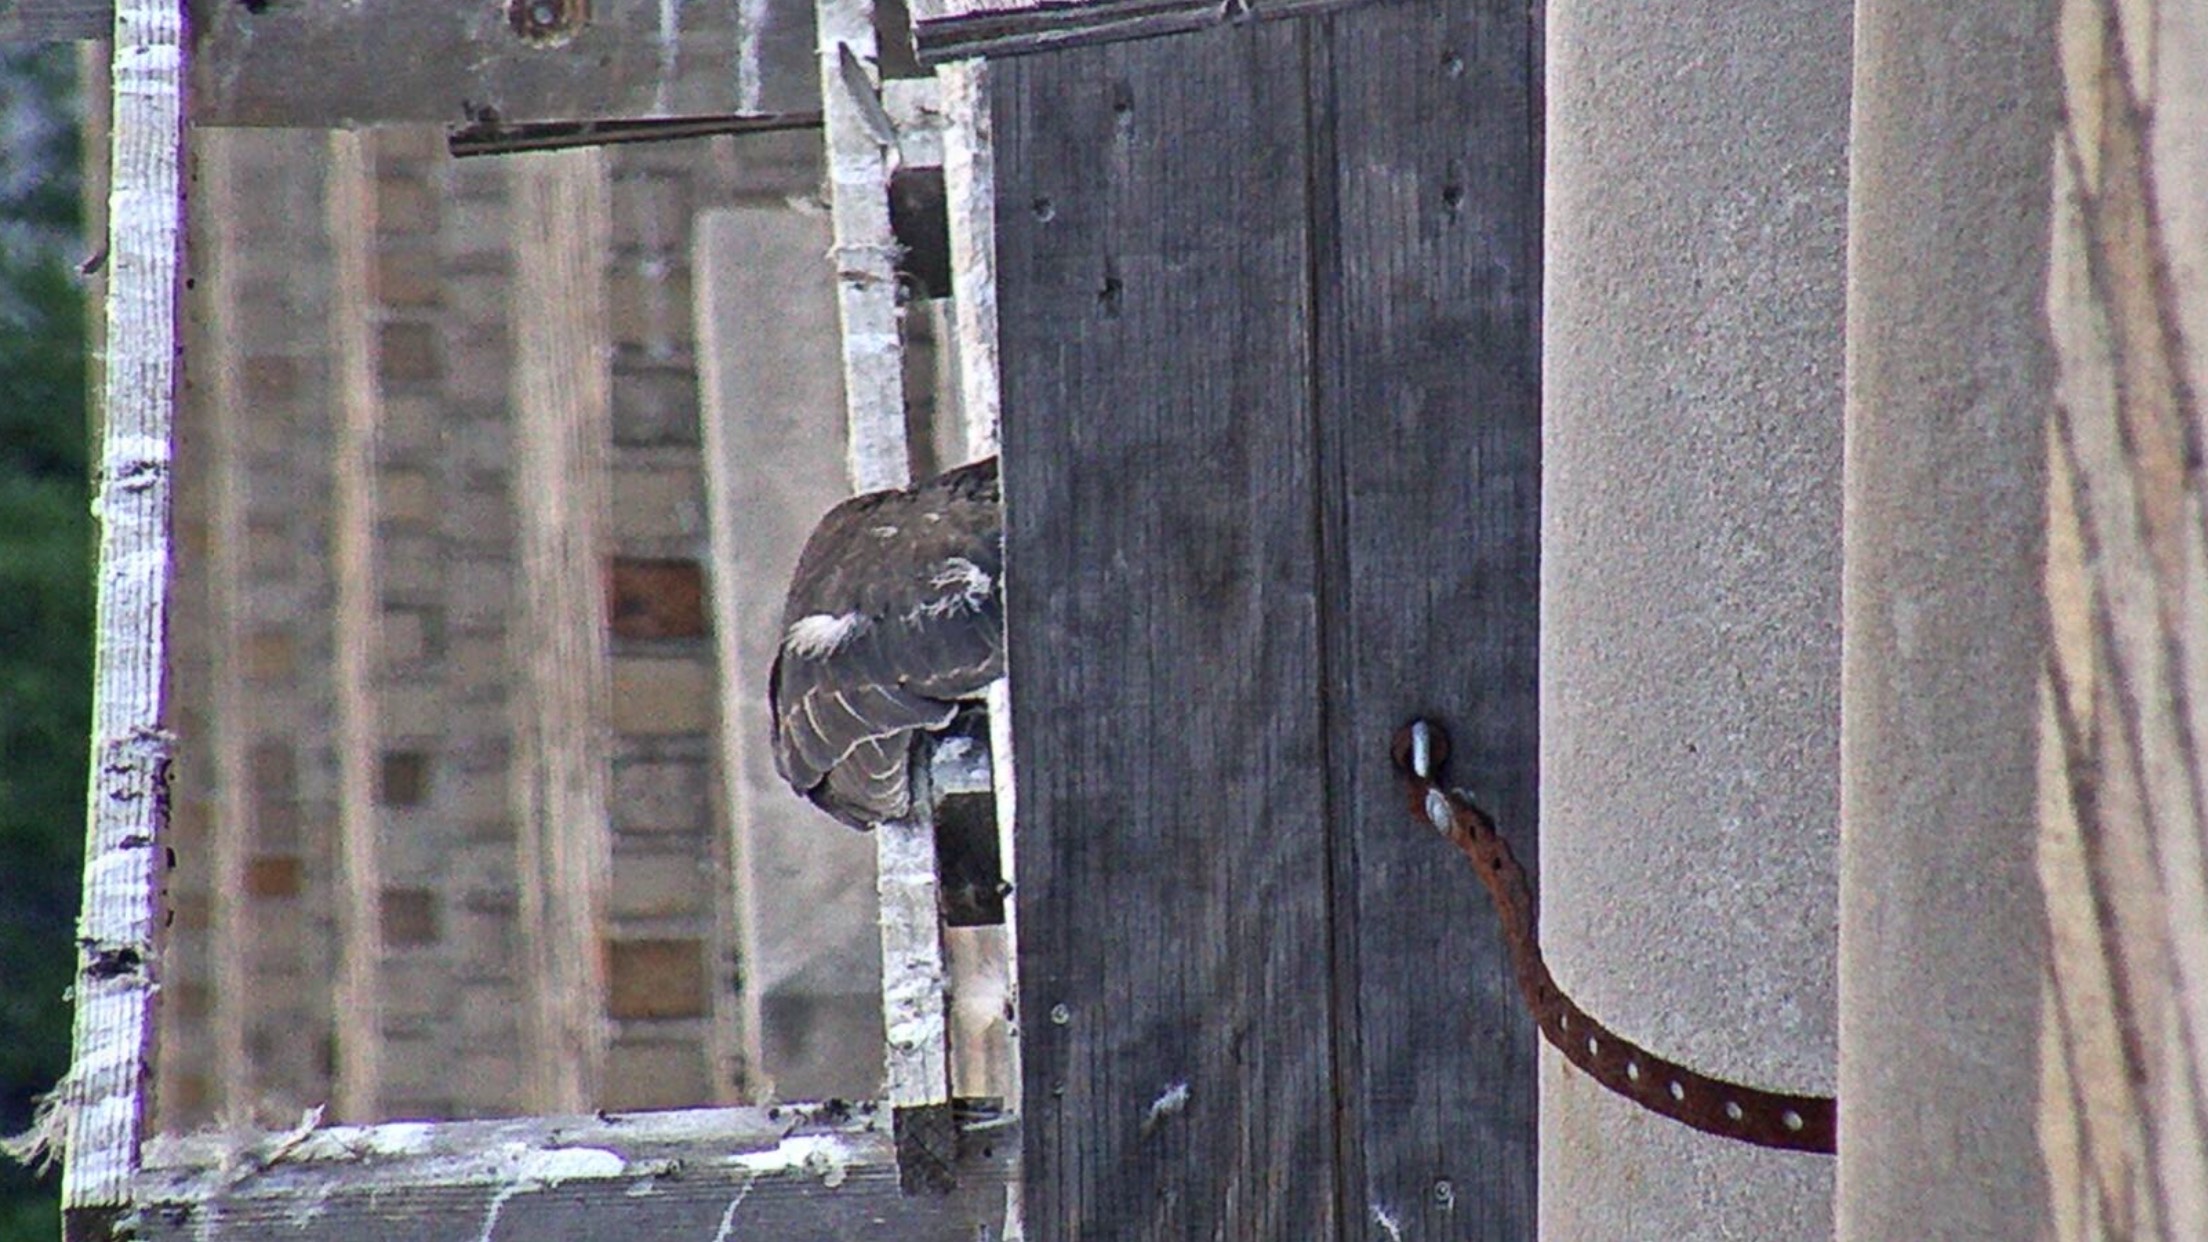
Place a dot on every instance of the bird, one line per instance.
(893, 627)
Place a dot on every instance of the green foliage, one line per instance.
(45, 602)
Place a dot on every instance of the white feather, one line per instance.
(822, 634)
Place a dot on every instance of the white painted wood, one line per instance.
(100, 1106)
(914, 1003)
(562, 382)
(358, 1089)
(228, 739)
(865, 254)
(915, 108)
(990, 991)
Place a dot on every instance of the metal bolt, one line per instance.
(1445, 1194)
(1060, 1015)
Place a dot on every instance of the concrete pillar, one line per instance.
(1690, 646)
(1949, 382)
(771, 404)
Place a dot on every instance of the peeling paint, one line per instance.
(825, 1155)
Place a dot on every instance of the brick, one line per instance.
(406, 498)
(410, 427)
(275, 824)
(269, 655)
(406, 205)
(651, 212)
(641, 1075)
(267, 378)
(655, 979)
(658, 885)
(659, 796)
(648, 302)
(659, 697)
(273, 876)
(274, 768)
(403, 778)
(655, 598)
(407, 637)
(408, 918)
(656, 503)
(486, 933)
(481, 593)
(408, 353)
(655, 406)
(406, 277)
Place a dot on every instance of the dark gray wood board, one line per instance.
(1269, 301)
(1161, 533)
(1429, 380)
(793, 1174)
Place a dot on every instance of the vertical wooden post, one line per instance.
(562, 385)
(230, 739)
(859, 166)
(359, 1004)
(100, 1107)
(986, 988)
(2123, 733)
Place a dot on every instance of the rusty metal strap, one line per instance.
(1712, 1105)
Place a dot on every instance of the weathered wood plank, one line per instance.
(799, 1173)
(384, 61)
(1428, 287)
(357, 612)
(1152, 256)
(2123, 788)
(37, 21)
(562, 436)
(100, 1105)
(955, 31)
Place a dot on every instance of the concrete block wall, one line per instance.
(249, 1012)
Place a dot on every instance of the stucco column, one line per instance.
(1690, 590)
(1950, 378)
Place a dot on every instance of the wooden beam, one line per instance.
(100, 1106)
(54, 21)
(356, 614)
(984, 968)
(229, 737)
(1171, 888)
(797, 1173)
(862, 146)
(386, 61)
(562, 439)
(961, 31)
(1427, 284)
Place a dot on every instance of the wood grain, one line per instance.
(1428, 370)
(2124, 741)
(1172, 870)
(562, 437)
(798, 1173)
(100, 1106)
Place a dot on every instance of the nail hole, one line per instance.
(1564, 1022)
(1108, 296)
(1633, 1070)
(1593, 1048)
(1452, 198)
(1045, 210)
(1791, 1119)
(1678, 1092)
(1732, 1111)
(1452, 65)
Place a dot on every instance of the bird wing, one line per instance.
(895, 614)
